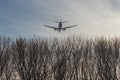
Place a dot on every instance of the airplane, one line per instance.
(60, 27)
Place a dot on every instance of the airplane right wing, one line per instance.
(70, 26)
(51, 27)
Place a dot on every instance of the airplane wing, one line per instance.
(69, 27)
(50, 26)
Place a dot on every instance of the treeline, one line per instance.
(72, 58)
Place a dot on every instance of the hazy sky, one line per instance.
(27, 17)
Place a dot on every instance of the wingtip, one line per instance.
(44, 25)
(76, 25)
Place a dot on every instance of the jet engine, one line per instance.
(55, 29)
(63, 29)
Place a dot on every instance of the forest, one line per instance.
(71, 58)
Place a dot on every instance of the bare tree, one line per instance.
(31, 59)
(5, 56)
(72, 58)
(106, 59)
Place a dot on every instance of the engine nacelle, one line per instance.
(55, 29)
(63, 29)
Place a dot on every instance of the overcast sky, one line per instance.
(27, 17)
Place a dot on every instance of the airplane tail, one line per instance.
(60, 21)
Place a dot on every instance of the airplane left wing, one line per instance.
(50, 26)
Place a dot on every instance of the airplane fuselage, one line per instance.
(60, 26)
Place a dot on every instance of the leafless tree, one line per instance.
(5, 56)
(72, 58)
(31, 59)
(106, 52)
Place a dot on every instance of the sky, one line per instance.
(26, 17)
